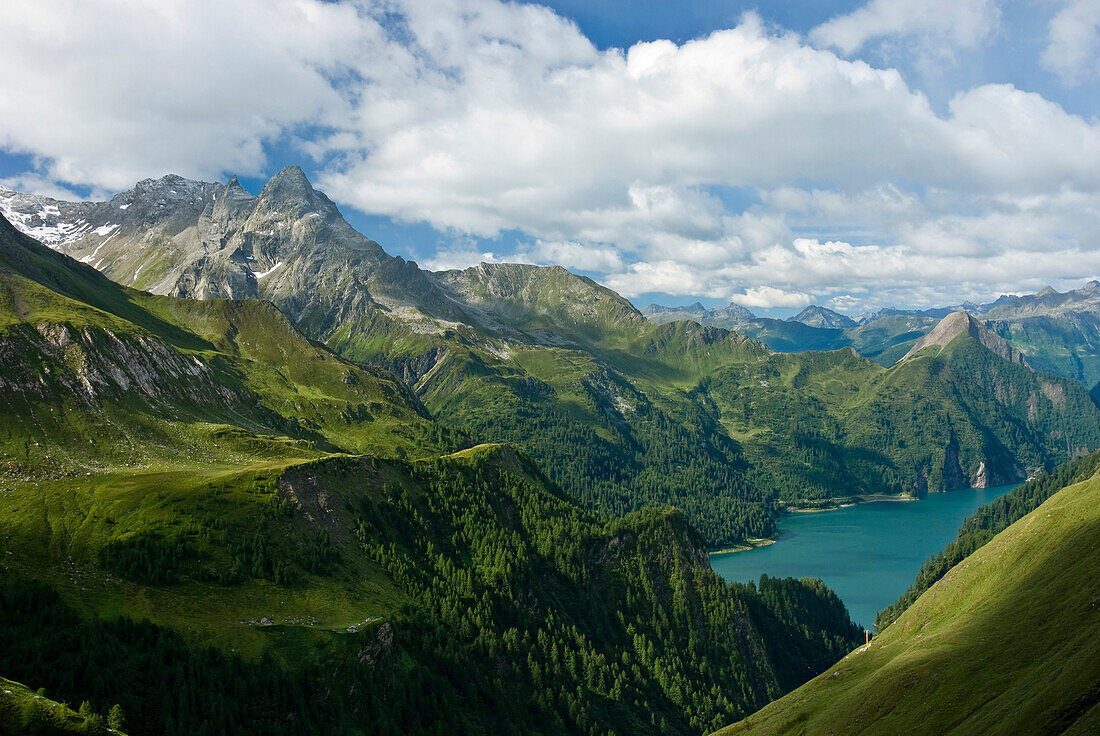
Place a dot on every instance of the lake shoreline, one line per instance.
(868, 554)
(751, 543)
(849, 501)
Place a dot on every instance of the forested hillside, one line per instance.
(24, 712)
(461, 595)
(189, 528)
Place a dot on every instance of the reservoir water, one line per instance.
(868, 553)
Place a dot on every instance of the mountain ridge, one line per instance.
(960, 324)
(816, 316)
(621, 412)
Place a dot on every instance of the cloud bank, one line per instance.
(751, 163)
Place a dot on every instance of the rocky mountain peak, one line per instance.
(289, 182)
(959, 324)
(816, 316)
(291, 177)
(290, 193)
(230, 207)
(170, 186)
(234, 186)
(234, 193)
(734, 308)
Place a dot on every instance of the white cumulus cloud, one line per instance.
(111, 92)
(1073, 47)
(937, 27)
(769, 297)
(746, 163)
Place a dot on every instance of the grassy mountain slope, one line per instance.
(1005, 643)
(99, 376)
(27, 713)
(986, 522)
(197, 466)
(1067, 344)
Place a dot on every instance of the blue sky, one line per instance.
(852, 154)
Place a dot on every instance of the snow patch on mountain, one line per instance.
(268, 272)
(39, 218)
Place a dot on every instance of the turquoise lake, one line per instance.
(869, 553)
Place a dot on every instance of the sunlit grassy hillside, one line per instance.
(1008, 642)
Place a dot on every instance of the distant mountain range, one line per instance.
(622, 412)
(734, 315)
(1057, 332)
(815, 316)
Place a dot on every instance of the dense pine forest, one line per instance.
(592, 626)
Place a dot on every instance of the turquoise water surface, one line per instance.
(869, 553)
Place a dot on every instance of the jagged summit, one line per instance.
(959, 324)
(233, 195)
(816, 316)
(290, 180)
(735, 308)
(234, 187)
(290, 192)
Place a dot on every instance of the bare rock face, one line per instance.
(204, 240)
(290, 245)
(959, 324)
(95, 364)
